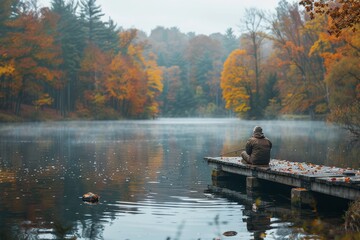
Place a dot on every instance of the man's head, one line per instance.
(257, 129)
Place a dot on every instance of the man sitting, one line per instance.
(257, 148)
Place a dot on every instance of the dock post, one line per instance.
(252, 183)
(252, 187)
(301, 197)
(218, 174)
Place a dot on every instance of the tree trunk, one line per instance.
(18, 102)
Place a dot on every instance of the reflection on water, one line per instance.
(268, 213)
(150, 175)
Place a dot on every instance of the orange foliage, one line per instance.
(301, 85)
(344, 14)
(93, 72)
(119, 81)
(134, 81)
(31, 52)
(126, 38)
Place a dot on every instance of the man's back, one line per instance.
(260, 149)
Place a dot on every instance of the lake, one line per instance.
(152, 180)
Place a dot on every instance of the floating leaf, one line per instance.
(230, 233)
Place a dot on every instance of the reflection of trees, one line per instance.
(92, 228)
(43, 176)
(273, 215)
(235, 139)
(343, 153)
(304, 147)
(318, 148)
(46, 174)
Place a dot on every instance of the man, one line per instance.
(257, 148)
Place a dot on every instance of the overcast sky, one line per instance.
(199, 16)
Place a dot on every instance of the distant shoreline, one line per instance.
(30, 114)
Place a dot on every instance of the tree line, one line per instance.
(283, 62)
(67, 58)
(312, 68)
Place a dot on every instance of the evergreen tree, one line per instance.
(72, 41)
(91, 16)
(270, 89)
(103, 35)
(230, 43)
(110, 37)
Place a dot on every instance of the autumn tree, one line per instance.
(253, 34)
(7, 68)
(93, 71)
(270, 100)
(154, 86)
(101, 41)
(134, 81)
(171, 85)
(341, 61)
(169, 45)
(344, 14)
(237, 82)
(348, 117)
(302, 81)
(120, 83)
(7, 8)
(203, 54)
(30, 48)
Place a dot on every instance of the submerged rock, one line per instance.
(90, 197)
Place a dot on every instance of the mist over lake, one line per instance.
(150, 175)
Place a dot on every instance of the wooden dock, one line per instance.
(305, 178)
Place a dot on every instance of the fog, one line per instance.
(308, 141)
(150, 175)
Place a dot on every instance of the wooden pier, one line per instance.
(305, 178)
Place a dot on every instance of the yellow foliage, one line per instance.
(126, 38)
(99, 99)
(236, 81)
(44, 99)
(155, 77)
(7, 69)
(258, 202)
(321, 108)
(298, 102)
(154, 84)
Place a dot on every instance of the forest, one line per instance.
(68, 59)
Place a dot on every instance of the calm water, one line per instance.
(152, 179)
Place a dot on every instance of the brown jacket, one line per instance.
(258, 148)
